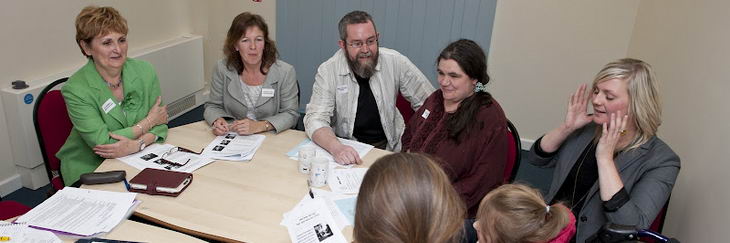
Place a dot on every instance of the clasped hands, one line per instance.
(242, 127)
(157, 115)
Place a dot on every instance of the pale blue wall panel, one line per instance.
(307, 30)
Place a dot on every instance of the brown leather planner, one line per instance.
(160, 182)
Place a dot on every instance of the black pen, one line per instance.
(310, 193)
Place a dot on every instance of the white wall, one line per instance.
(38, 38)
(687, 43)
(542, 50)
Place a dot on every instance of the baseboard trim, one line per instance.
(526, 143)
(10, 185)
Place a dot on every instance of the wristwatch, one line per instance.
(142, 145)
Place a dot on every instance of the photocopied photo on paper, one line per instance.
(312, 223)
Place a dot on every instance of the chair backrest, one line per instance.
(658, 224)
(12, 209)
(514, 153)
(404, 107)
(52, 127)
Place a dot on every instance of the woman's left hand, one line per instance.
(610, 136)
(123, 147)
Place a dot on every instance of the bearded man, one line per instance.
(355, 91)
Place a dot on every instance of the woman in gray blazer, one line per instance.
(610, 166)
(251, 91)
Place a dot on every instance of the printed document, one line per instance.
(346, 180)
(23, 233)
(361, 148)
(166, 157)
(234, 147)
(80, 211)
(312, 223)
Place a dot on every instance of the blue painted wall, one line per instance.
(307, 30)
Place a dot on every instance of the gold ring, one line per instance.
(622, 132)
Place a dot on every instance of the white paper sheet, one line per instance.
(361, 148)
(80, 211)
(346, 180)
(25, 234)
(312, 223)
(150, 158)
(234, 147)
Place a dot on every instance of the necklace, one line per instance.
(114, 86)
(573, 203)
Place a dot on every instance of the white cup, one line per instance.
(306, 153)
(319, 170)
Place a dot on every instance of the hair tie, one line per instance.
(480, 87)
(547, 209)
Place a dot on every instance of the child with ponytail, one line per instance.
(516, 213)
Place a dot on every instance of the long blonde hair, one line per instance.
(518, 213)
(644, 101)
(407, 197)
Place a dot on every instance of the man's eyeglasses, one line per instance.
(369, 42)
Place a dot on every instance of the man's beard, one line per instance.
(365, 70)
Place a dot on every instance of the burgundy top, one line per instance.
(476, 165)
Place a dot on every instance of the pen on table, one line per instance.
(309, 185)
(126, 184)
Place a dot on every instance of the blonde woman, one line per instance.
(407, 197)
(610, 166)
(518, 213)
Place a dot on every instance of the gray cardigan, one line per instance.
(648, 173)
(226, 98)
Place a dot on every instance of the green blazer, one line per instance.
(85, 94)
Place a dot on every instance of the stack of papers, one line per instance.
(320, 219)
(234, 147)
(151, 157)
(23, 233)
(361, 148)
(81, 211)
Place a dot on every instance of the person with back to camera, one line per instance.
(610, 166)
(251, 90)
(113, 101)
(463, 125)
(407, 197)
(518, 213)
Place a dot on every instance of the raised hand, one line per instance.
(157, 114)
(610, 136)
(121, 148)
(577, 115)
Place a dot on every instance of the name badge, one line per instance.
(342, 89)
(108, 106)
(267, 92)
(425, 114)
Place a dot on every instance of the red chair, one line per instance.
(12, 209)
(404, 107)
(658, 224)
(52, 127)
(514, 153)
